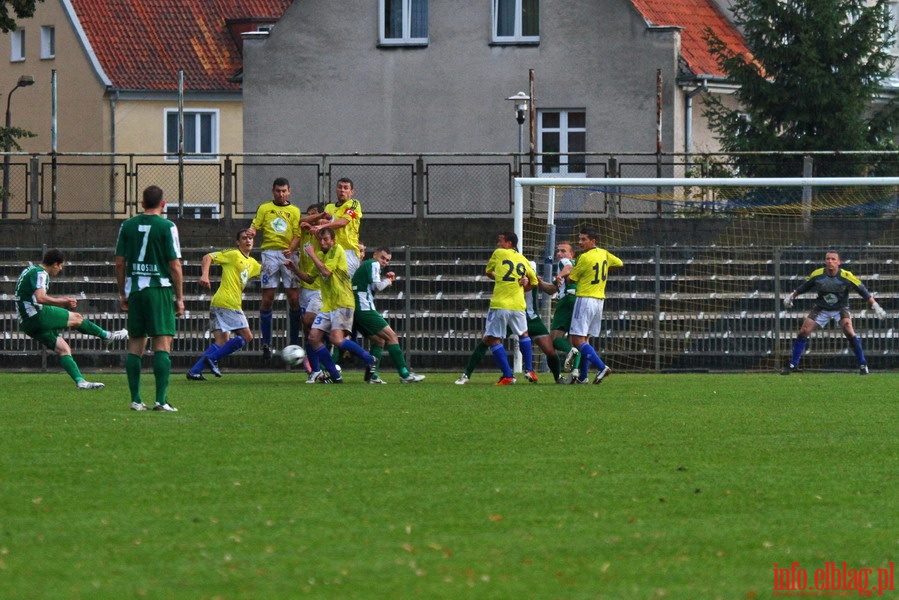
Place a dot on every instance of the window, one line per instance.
(192, 211)
(516, 21)
(17, 45)
(404, 22)
(560, 132)
(200, 133)
(48, 41)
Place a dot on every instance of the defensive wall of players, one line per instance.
(682, 302)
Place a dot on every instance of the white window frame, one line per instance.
(517, 37)
(194, 113)
(564, 130)
(406, 39)
(17, 45)
(48, 41)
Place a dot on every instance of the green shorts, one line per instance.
(46, 325)
(536, 327)
(151, 312)
(563, 312)
(369, 322)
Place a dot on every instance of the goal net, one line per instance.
(707, 263)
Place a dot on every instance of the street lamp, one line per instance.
(522, 104)
(24, 81)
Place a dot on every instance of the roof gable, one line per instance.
(694, 17)
(142, 44)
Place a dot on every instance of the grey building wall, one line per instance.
(320, 83)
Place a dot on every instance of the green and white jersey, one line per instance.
(366, 280)
(148, 243)
(566, 287)
(30, 281)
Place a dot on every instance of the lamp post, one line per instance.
(522, 104)
(24, 81)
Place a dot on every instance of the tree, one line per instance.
(23, 9)
(816, 68)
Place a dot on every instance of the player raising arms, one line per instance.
(226, 314)
(336, 317)
(590, 273)
(832, 284)
(346, 218)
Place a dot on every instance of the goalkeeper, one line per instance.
(832, 284)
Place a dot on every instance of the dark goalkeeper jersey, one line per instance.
(833, 291)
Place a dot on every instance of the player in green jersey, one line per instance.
(148, 271)
(226, 316)
(42, 316)
(564, 309)
(368, 279)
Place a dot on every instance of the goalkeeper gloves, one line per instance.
(788, 301)
(878, 310)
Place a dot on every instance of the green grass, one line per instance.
(648, 486)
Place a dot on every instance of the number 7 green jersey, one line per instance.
(148, 243)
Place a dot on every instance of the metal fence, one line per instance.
(97, 185)
(668, 309)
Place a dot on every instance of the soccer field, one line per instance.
(647, 486)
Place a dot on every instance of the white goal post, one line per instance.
(707, 261)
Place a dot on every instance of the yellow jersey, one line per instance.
(508, 267)
(348, 235)
(237, 269)
(337, 290)
(278, 224)
(591, 271)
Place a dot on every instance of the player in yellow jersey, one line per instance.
(590, 273)
(346, 218)
(279, 222)
(226, 314)
(338, 304)
(512, 275)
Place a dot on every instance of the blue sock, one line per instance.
(200, 365)
(502, 359)
(354, 348)
(265, 326)
(798, 349)
(324, 358)
(312, 355)
(229, 347)
(527, 352)
(859, 353)
(592, 357)
(295, 317)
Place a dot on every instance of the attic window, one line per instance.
(265, 28)
(201, 133)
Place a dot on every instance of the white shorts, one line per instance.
(586, 319)
(352, 261)
(310, 301)
(227, 319)
(339, 318)
(274, 272)
(500, 319)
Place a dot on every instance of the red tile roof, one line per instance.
(142, 44)
(694, 16)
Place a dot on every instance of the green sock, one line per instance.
(377, 352)
(577, 362)
(69, 366)
(335, 353)
(91, 328)
(562, 344)
(132, 370)
(396, 355)
(476, 357)
(162, 367)
(552, 361)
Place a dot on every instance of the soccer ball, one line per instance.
(293, 355)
